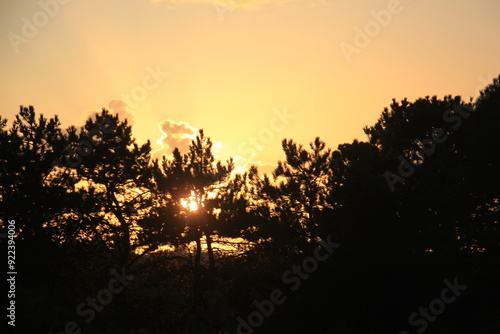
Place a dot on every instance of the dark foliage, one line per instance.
(418, 203)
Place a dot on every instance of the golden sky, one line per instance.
(267, 69)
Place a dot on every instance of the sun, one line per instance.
(190, 203)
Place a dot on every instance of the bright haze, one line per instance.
(268, 69)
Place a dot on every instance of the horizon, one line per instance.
(250, 166)
(172, 67)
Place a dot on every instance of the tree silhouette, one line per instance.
(195, 175)
(44, 212)
(416, 203)
(295, 196)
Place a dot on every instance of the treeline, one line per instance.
(106, 243)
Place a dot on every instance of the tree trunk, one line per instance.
(211, 260)
(197, 272)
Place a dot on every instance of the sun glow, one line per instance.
(190, 203)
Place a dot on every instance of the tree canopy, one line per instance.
(417, 203)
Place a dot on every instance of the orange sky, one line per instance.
(237, 68)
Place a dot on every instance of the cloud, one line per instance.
(174, 134)
(218, 148)
(180, 134)
(243, 165)
(119, 107)
(115, 107)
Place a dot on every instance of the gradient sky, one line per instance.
(233, 64)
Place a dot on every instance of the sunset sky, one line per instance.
(272, 69)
